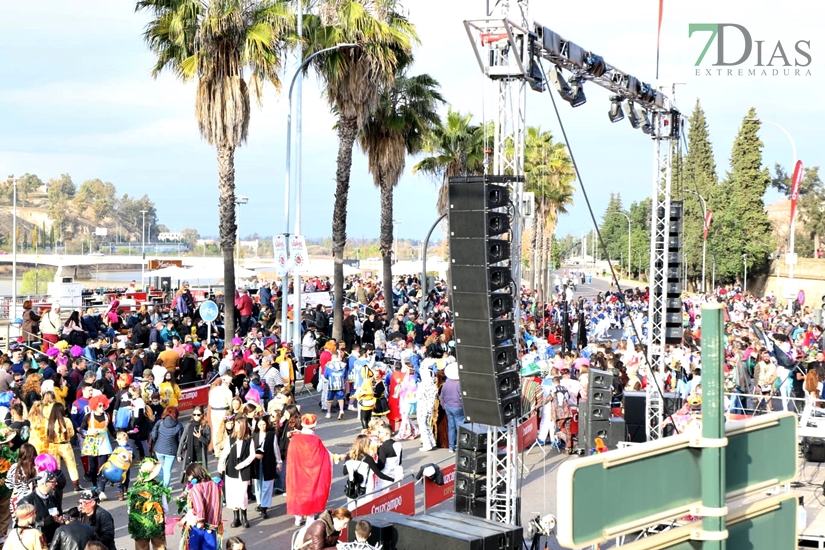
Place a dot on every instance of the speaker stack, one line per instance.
(595, 411)
(672, 283)
(482, 294)
(635, 414)
(471, 470)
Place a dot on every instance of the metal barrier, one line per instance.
(752, 404)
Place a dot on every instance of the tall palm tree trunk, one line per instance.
(534, 256)
(347, 131)
(386, 243)
(228, 229)
(546, 266)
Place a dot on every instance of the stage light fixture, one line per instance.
(559, 82)
(616, 113)
(644, 118)
(576, 96)
(632, 117)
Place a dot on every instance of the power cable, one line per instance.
(602, 244)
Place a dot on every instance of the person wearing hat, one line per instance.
(310, 468)
(451, 402)
(147, 508)
(220, 398)
(46, 511)
(98, 518)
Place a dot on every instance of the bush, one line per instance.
(43, 276)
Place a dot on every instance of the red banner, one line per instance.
(708, 220)
(192, 397)
(528, 431)
(400, 500)
(797, 179)
(436, 494)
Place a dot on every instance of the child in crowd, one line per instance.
(363, 530)
(123, 455)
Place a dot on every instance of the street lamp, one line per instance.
(238, 202)
(13, 308)
(296, 337)
(143, 250)
(704, 241)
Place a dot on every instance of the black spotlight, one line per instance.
(632, 116)
(616, 113)
(576, 95)
(559, 82)
(644, 118)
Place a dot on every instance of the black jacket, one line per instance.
(104, 526)
(268, 465)
(194, 449)
(73, 536)
(43, 520)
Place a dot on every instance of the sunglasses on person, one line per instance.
(196, 415)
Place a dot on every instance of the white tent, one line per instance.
(171, 271)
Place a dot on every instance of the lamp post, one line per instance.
(704, 241)
(791, 258)
(143, 251)
(296, 337)
(238, 202)
(13, 308)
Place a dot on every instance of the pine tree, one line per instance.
(741, 225)
(698, 176)
(640, 239)
(614, 230)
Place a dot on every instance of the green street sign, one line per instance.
(606, 495)
(768, 524)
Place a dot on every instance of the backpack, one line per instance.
(355, 486)
(810, 381)
(123, 418)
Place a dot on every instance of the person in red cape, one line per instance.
(308, 472)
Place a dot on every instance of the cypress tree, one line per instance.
(741, 225)
(699, 175)
(614, 230)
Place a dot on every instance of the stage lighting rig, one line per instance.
(576, 97)
(632, 117)
(644, 117)
(616, 113)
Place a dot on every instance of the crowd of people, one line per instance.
(94, 398)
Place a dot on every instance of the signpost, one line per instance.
(768, 524)
(279, 245)
(705, 468)
(209, 312)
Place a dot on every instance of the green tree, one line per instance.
(741, 225)
(97, 197)
(699, 176)
(36, 281)
(130, 210)
(353, 80)
(27, 184)
(190, 237)
(406, 113)
(614, 229)
(455, 148)
(640, 236)
(217, 42)
(59, 193)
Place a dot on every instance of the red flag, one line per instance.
(659, 35)
(708, 219)
(797, 179)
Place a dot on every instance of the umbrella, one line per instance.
(170, 271)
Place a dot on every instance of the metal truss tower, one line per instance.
(502, 47)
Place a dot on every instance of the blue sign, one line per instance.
(209, 311)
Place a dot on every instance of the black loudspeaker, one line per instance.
(599, 396)
(515, 535)
(482, 298)
(813, 449)
(411, 534)
(673, 282)
(599, 380)
(381, 532)
(470, 505)
(616, 433)
(472, 437)
(634, 416)
(470, 485)
(495, 536)
(471, 461)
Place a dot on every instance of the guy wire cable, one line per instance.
(620, 292)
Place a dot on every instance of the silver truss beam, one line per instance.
(503, 476)
(660, 227)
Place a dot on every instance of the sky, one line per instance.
(77, 97)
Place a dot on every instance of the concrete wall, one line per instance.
(809, 276)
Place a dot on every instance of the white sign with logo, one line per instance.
(312, 299)
(101, 231)
(298, 251)
(281, 259)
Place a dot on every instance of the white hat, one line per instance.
(451, 371)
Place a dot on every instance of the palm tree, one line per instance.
(405, 115)
(353, 79)
(215, 42)
(555, 195)
(456, 148)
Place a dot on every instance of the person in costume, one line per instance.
(236, 465)
(147, 508)
(309, 472)
(269, 463)
(95, 429)
(202, 523)
(194, 445)
(220, 398)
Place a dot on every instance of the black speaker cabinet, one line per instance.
(515, 534)
(470, 484)
(471, 461)
(411, 534)
(599, 396)
(477, 193)
(495, 413)
(489, 386)
(635, 413)
(476, 507)
(503, 358)
(492, 535)
(472, 436)
(617, 432)
(381, 532)
(813, 449)
(599, 380)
